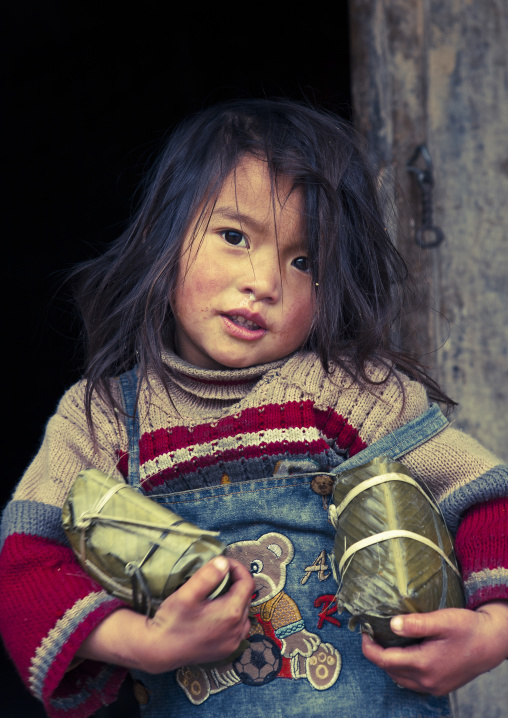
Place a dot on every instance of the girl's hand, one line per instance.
(193, 629)
(458, 646)
(188, 627)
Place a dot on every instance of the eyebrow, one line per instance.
(232, 214)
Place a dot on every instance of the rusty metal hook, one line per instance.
(425, 179)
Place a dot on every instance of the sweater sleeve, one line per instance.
(471, 486)
(482, 549)
(48, 604)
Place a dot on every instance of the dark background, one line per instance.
(89, 91)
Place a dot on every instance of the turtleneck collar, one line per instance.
(223, 384)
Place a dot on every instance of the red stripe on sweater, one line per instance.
(482, 538)
(268, 417)
(123, 463)
(240, 453)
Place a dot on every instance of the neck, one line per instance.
(222, 385)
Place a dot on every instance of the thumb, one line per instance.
(416, 625)
(206, 580)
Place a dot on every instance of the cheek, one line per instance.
(300, 314)
(197, 289)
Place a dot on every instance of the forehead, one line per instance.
(250, 194)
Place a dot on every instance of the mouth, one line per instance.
(243, 322)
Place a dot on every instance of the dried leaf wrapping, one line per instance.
(137, 549)
(390, 573)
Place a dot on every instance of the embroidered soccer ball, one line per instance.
(260, 663)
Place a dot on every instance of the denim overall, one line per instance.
(302, 660)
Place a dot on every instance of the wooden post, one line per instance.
(436, 73)
(433, 72)
(389, 80)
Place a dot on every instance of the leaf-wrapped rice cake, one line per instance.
(137, 549)
(392, 552)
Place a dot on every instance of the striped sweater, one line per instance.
(218, 426)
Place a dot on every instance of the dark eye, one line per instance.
(235, 238)
(301, 263)
(256, 567)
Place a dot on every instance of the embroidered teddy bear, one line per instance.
(280, 645)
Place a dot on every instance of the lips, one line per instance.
(244, 325)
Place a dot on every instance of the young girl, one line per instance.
(238, 344)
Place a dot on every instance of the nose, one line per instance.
(263, 279)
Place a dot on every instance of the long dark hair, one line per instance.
(124, 294)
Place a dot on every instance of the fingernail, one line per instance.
(396, 624)
(221, 562)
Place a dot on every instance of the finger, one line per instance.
(386, 658)
(236, 602)
(395, 658)
(413, 684)
(373, 651)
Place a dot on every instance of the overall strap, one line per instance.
(402, 440)
(129, 385)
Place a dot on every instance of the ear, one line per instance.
(279, 545)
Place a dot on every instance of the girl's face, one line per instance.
(244, 295)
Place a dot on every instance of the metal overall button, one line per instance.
(322, 485)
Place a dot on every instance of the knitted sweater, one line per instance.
(219, 426)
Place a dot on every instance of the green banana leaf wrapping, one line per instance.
(137, 549)
(394, 570)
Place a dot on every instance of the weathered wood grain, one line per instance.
(437, 72)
